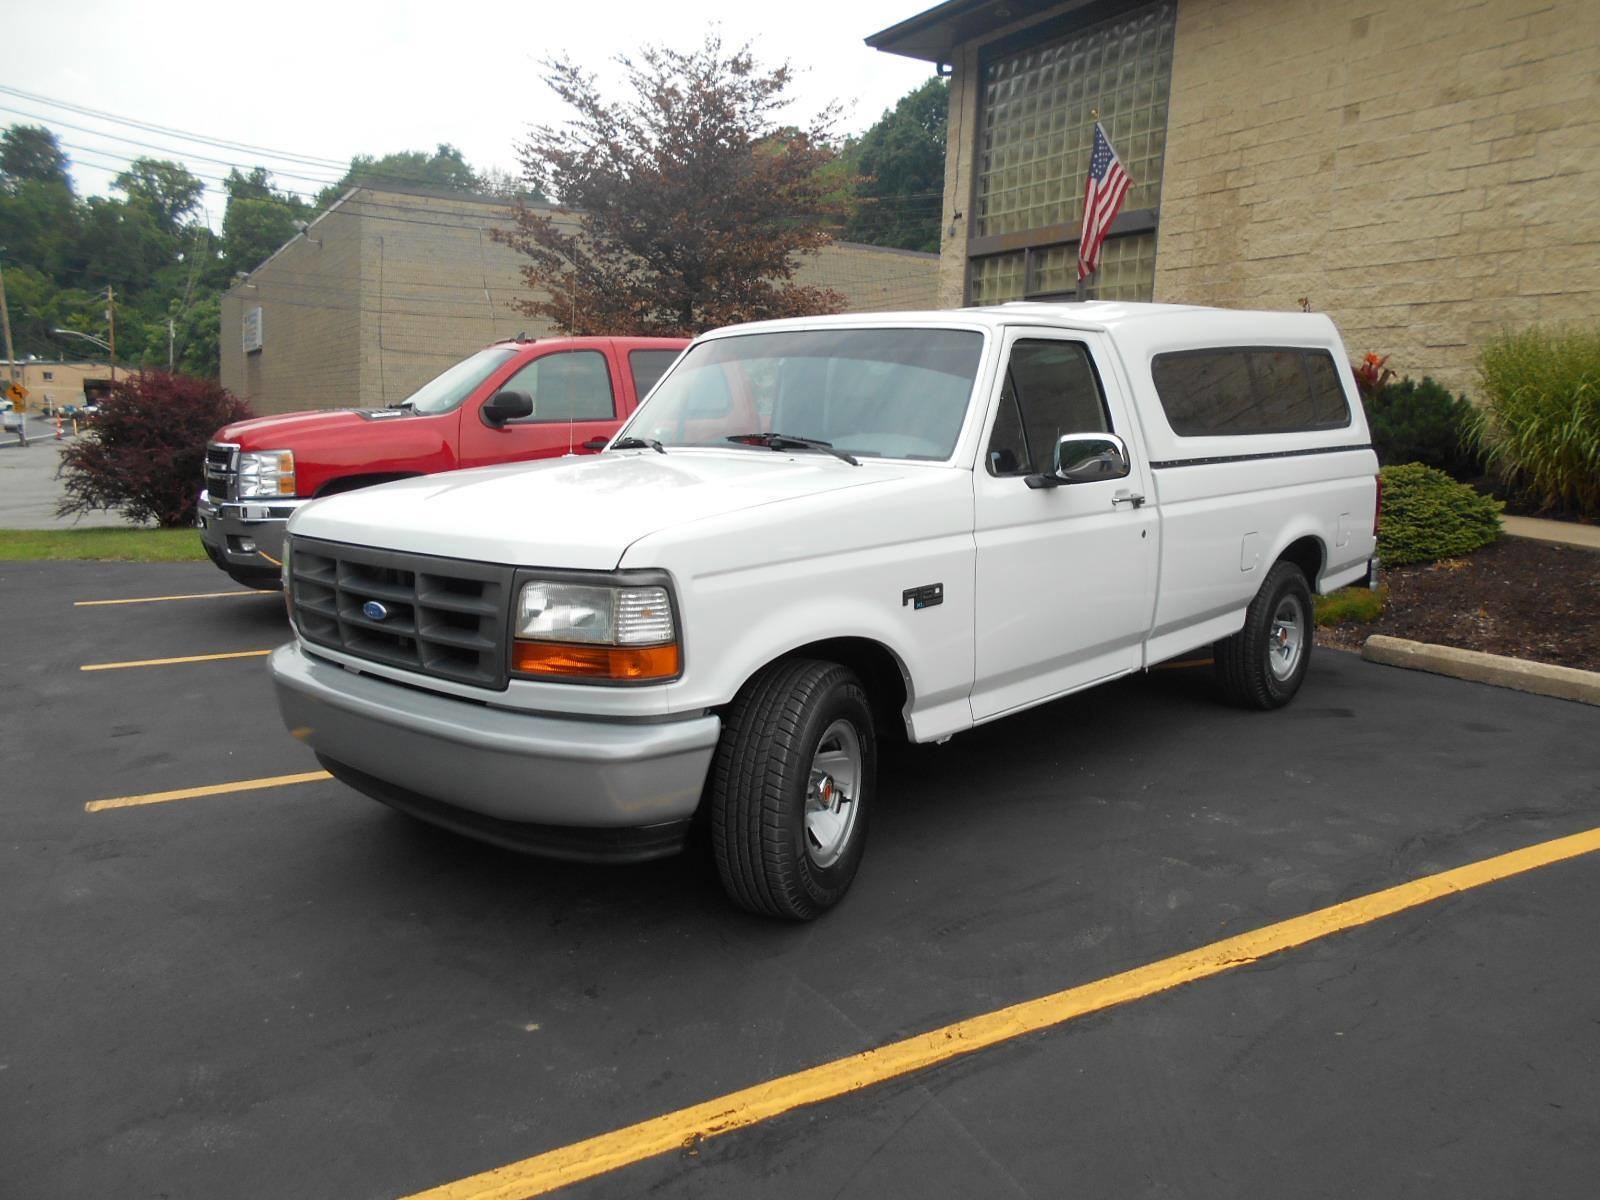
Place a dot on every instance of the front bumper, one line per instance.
(490, 772)
(245, 535)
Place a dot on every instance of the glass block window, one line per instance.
(1038, 129)
(998, 278)
(1127, 272)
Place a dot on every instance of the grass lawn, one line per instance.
(121, 545)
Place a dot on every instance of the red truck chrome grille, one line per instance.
(443, 617)
(222, 471)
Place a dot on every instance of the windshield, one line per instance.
(446, 392)
(880, 393)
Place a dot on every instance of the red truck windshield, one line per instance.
(445, 392)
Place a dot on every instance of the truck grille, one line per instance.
(222, 470)
(438, 616)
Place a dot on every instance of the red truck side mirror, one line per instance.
(506, 406)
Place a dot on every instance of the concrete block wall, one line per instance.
(1427, 172)
(390, 288)
(311, 300)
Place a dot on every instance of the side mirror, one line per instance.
(1085, 458)
(506, 406)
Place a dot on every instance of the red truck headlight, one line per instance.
(266, 473)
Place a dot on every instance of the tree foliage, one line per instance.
(445, 168)
(150, 245)
(901, 164)
(693, 204)
(148, 448)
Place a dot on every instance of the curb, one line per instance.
(1497, 670)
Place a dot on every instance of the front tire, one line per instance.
(791, 787)
(1263, 665)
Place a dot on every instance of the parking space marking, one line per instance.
(164, 599)
(167, 662)
(686, 1128)
(214, 789)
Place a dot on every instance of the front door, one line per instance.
(1066, 575)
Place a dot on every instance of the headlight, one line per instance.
(591, 631)
(266, 473)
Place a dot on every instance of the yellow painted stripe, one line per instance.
(163, 599)
(167, 662)
(214, 789)
(558, 1168)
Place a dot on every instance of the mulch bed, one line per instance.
(1519, 597)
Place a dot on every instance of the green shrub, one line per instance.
(1352, 606)
(1422, 422)
(1539, 428)
(1428, 516)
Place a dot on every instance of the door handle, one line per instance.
(596, 443)
(1126, 497)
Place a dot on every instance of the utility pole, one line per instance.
(111, 317)
(171, 333)
(11, 361)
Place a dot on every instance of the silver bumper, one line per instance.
(247, 534)
(500, 765)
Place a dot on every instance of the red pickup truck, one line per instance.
(510, 401)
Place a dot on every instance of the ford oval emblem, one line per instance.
(375, 611)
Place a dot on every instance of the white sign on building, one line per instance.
(252, 329)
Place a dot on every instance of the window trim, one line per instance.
(1004, 374)
(1306, 353)
(611, 389)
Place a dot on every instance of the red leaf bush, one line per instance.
(144, 451)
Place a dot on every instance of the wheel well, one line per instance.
(351, 483)
(877, 668)
(1306, 553)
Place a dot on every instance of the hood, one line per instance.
(579, 513)
(283, 431)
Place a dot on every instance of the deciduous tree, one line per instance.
(693, 204)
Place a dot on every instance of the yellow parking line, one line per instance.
(688, 1127)
(215, 789)
(167, 662)
(161, 599)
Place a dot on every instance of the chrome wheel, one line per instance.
(1286, 638)
(832, 789)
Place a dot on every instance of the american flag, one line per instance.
(1103, 194)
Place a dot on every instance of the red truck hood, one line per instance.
(288, 431)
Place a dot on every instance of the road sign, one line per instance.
(16, 392)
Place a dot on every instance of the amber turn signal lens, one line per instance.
(594, 662)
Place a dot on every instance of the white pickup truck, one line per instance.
(813, 535)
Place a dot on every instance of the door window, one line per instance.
(1050, 389)
(648, 366)
(572, 385)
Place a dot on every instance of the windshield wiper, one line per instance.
(788, 441)
(399, 404)
(636, 443)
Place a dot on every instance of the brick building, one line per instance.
(389, 287)
(1424, 171)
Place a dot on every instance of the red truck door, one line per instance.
(576, 399)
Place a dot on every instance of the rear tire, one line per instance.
(1263, 665)
(791, 787)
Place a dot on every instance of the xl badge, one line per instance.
(926, 596)
(374, 611)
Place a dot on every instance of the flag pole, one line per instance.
(1078, 296)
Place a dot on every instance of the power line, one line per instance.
(220, 143)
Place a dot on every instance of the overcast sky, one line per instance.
(329, 81)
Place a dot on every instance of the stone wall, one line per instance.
(1427, 172)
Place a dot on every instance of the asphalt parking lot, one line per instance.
(291, 991)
